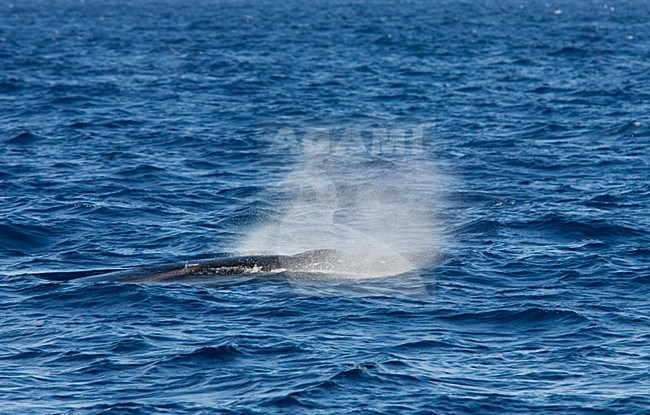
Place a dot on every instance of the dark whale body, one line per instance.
(207, 271)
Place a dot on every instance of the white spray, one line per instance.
(380, 212)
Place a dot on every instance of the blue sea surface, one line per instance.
(148, 132)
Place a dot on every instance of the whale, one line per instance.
(328, 262)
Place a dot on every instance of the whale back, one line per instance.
(319, 261)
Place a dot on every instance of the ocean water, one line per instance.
(499, 150)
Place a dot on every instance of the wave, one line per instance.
(222, 352)
(21, 239)
(565, 226)
(530, 318)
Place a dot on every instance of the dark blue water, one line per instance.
(137, 134)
